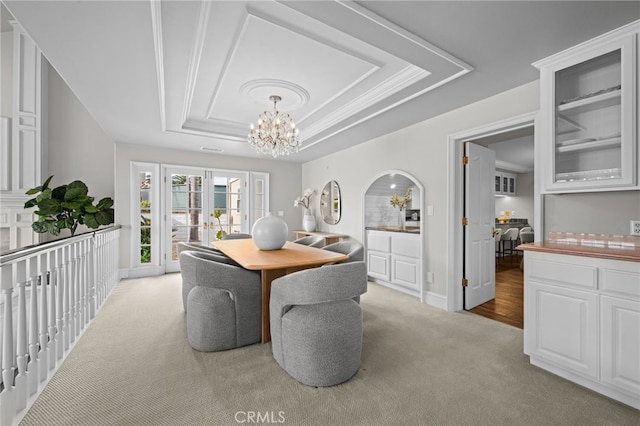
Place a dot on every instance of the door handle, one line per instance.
(494, 232)
(204, 225)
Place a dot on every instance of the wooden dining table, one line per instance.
(274, 264)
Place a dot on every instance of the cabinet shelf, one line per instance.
(589, 175)
(590, 145)
(602, 100)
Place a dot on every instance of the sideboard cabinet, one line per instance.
(582, 321)
(588, 114)
(393, 259)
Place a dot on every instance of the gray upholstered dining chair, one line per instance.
(223, 302)
(311, 241)
(185, 246)
(316, 326)
(352, 248)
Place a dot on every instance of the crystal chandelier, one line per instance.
(276, 133)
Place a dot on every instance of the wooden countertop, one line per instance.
(631, 254)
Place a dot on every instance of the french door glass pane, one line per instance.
(145, 217)
(227, 205)
(186, 210)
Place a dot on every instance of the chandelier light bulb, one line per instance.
(276, 134)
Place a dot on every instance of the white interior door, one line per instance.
(479, 243)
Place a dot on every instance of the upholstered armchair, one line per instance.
(223, 302)
(316, 326)
(311, 241)
(352, 248)
(184, 246)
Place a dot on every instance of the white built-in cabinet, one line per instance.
(588, 114)
(22, 142)
(582, 321)
(393, 259)
(505, 183)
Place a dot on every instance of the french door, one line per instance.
(203, 205)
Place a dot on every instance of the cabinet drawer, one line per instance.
(562, 273)
(379, 241)
(624, 283)
(406, 245)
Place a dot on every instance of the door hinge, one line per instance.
(465, 282)
(465, 221)
(465, 160)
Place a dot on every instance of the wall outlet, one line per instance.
(635, 227)
(280, 213)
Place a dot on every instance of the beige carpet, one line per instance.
(420, 366)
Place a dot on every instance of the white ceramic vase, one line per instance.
(270, 232)
(308, 221)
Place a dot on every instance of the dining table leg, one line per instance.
(267, 276)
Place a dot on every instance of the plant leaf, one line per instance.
(105, 217)
(30, 203)
(105, 203)
(91, 209)
(43, 195)
(59, 192)
(91, 221)
(45, 185)
(49, 206)
(78, 184)
(73, 193)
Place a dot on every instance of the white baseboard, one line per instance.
(146, 271)
(436, 300)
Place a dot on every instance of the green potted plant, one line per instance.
(66, 207)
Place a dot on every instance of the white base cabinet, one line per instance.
(393, 259)
(582, 321)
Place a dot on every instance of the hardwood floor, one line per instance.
(507, 307)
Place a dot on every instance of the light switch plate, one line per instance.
(635, 227)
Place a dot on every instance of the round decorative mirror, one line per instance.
(330, 203)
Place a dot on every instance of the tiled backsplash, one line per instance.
(379, 212)
(595, 240)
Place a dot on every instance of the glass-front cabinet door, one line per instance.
(589, 116)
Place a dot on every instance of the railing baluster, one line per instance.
(34, 280)
(22, 353)
(43, 330)
(51, 318)
(8, 355)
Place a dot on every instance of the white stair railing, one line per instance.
(48, 295)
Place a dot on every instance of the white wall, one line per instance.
(284, 181)
(420, 150)
(522, 202)
(596, 212)
(78, 148)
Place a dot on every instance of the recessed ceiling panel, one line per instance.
(285, 62)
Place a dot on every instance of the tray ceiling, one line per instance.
(241, 53)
